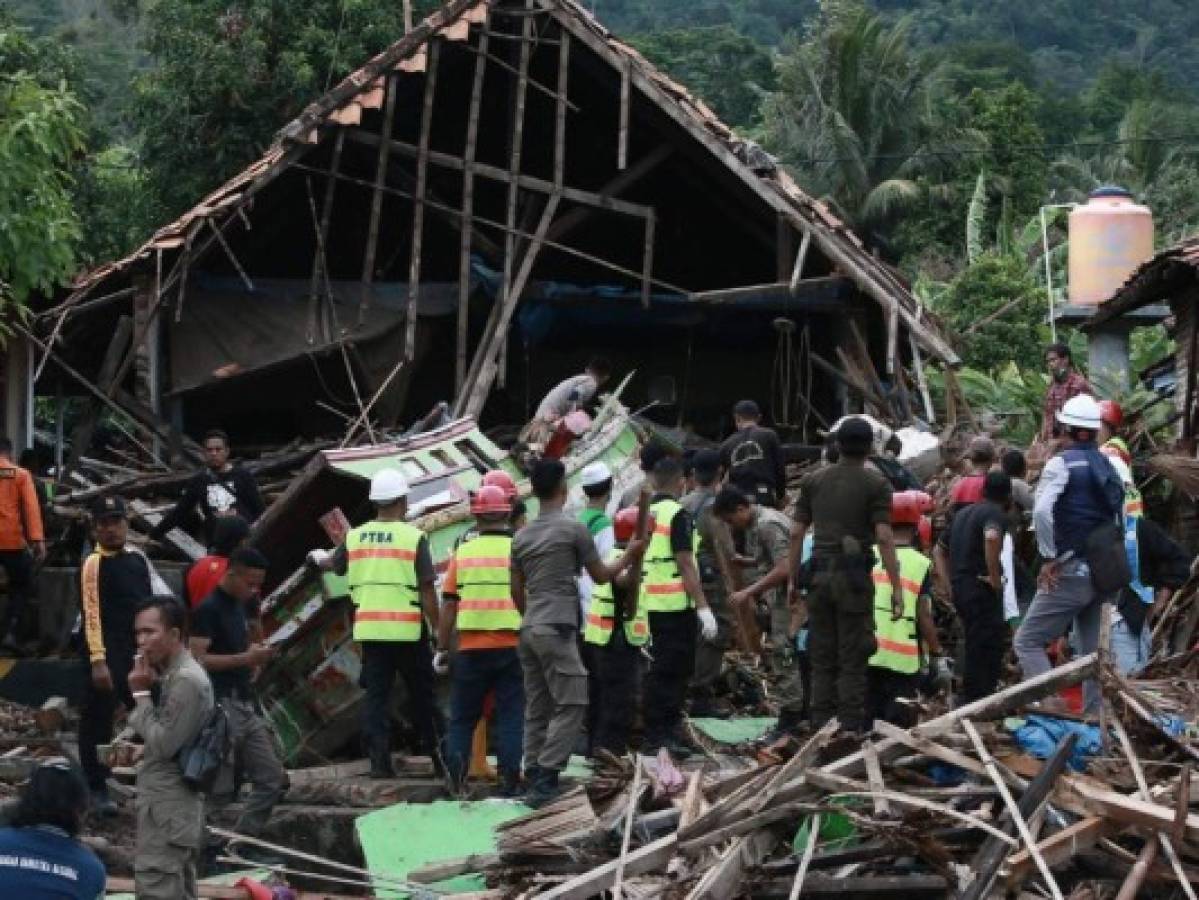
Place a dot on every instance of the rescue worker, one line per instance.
(716, 579)
(1079, 491)
(894, 670)
(848, 506)
(477, 602)
(617, 629)
(768, 536)
(1111, 445)
(565, 397)
(547, 555)
(22, 542)
(113, 581)
(170, 813)
(391, 580)
(674, 599)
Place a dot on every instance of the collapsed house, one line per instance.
(467, 217)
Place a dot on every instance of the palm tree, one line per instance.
(851, 114)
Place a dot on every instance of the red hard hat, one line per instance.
(924, 528)
(1110, 413)
(490, 498)
(501, 479)
(908, 506)
(625, 524)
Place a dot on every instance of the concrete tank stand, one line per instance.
(1108, 344)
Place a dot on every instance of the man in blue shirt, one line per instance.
(40, 856)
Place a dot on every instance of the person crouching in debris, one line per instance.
(476, 598)
(221, 642)
(564, 398)
(113, 580)
(848, 506)
(170, 814)
(41, 857)
(893, 671)
(768, 536)
(617, 630)
(674, 599)
(547, 555)
(392, 585)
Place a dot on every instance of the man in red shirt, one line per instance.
(1064, 382)
(20, 535)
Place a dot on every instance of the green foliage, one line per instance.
(227, 75)
(40, 133)
(1005, 118)
(729, 71)
(991, 283)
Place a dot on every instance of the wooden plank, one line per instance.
(468, 208)
(795, 765)
(622, 136)
(1018, 816)
(319, 262)
(994, 706)
(937, 751)
(592, 883)
(418, 212)
(647, 265)
(801, 259)
(560, 112)
(874, 774)
(806, 859)
(1057, 849)
(724, 880)
(376, 213)
(612, 188)
(634, 799)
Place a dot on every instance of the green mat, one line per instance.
(734, 731)
(406, 836)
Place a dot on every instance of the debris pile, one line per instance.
(958, 806)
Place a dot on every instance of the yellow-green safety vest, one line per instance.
(661, 584)
(382, 575)
(484, 585)
(898, 647)
(601, 616)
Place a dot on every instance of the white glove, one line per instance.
(441, 662)
(707, 624)
(320, 558)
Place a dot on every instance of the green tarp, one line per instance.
(734, 731)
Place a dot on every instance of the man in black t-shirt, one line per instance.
(220, 642)
(975, 545)
(752, 458)
(222, 489)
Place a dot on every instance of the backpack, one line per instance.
(202, 758)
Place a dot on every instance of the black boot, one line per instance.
(381, 759)
(544, 789)
(510, 787)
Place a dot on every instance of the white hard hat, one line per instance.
(388, 485)
(1081, 412)
(596, 473)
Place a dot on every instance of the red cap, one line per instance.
(908, 506)
(490, 499)
(625, 524)
(1111, 414)
(501, 479)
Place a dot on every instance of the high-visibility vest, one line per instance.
(382, 575)
(484, 585)
(898, 647)
(661, 584)
(601, 616)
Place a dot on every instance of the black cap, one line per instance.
(651, 453)
(706, 461)
(109, 508)
(855, 436)
(747, 409)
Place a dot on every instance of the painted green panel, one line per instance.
(406, 836)
(734, 731)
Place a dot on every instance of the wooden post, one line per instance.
(784, 244)
(622, 139)
(418, 213)
(800, 258)
(318, 257)
(372, 231)
(468, 207)
(647, 266)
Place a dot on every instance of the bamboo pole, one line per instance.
(418, 212)
(376, 213)
(634, 795)
(319, 261)
(468, 208)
